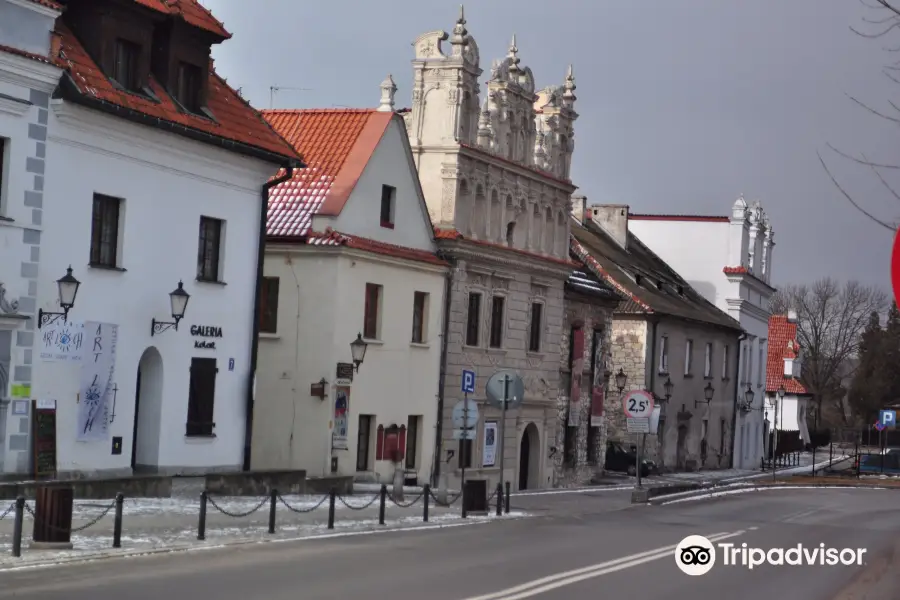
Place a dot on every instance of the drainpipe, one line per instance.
(650, 381)
(257, 300)
(737, 392)
(439, 424)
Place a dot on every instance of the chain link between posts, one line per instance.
(448, 503)
(402, 504)
(7, 511)
(309, 509)
(90, 523)
(361, 507)
(237, 515)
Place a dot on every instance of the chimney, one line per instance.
(613, 219)
(388, 89)
(791, 316)
(579, 207)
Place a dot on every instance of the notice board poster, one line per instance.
(43, 434)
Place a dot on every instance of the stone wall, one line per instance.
(629, 353)
(584, 468)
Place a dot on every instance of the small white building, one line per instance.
(728, 259)
(787, 399)
(350, 254)
(27, 78)
(155, 179)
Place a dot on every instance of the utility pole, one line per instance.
(277, 88)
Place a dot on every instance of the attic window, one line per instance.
(637, 278)
(125, 69)
(188, 90)
(659, 285)
(680, 290)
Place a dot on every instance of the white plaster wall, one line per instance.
(389, 165)
(791, 416)
(319, 314)
(167, 182)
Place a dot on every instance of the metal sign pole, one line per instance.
(637, 467)
(465, 445)
(506, 382)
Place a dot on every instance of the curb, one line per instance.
(733, 489)
(98, 555)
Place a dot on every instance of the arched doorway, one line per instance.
(147, 412)
(681, 448)
(529, 458)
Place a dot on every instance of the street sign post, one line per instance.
(465, 418)
(888, 418)
(468, 382)
(638, 406)
(506, 390)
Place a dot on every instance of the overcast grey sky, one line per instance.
(684, 104)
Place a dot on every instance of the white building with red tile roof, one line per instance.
(147, 173)
(28, 77)
(787, 399)
(350, 253)
(497, 183)
(728, 259)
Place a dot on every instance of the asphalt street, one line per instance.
(576, 546)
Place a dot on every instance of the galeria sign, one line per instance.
(638, 404)
(205, 331)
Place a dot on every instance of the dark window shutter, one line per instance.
(379, 443)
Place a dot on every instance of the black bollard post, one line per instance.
(426, 491)
(830, 453)
(814, 461)
(117, 523)
(273, 499)
(331, 497)
(858, 459)
(201, 527)
(381, 506)
(462, 495)
(507, 496)
(499, 499)
(17, 527)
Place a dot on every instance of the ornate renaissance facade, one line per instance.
(495, 174)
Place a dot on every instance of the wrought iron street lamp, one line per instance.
(621, 380)
(67, 287)
(708, 392)
(747, 404)
(358, 351)
(179, 301)
(667, 386)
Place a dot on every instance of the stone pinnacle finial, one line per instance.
(388, 90)
(459, 29)
(513, 57)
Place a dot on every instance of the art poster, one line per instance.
(62, 341)
(489, 453)
(97, 369)
(597, 385)
(341, 418)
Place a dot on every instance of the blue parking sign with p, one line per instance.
(888, 418)
(468, 382)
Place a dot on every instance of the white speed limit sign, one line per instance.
(638, 404)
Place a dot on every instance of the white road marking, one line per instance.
(552, 582)
(797, 516)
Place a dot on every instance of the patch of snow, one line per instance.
(745, 490)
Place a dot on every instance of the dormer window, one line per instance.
(188, 89)
(125, 69)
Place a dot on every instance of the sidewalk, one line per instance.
(151, 524)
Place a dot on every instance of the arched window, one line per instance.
(510, 231)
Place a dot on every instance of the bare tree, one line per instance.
(884, 23)
(831, 317)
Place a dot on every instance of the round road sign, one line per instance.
(638, 404)
(513, 384)
(465, 417)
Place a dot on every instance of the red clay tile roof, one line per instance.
(698, 218)
(742, 270)
(334, 238)
(782, 344)
(235, 120)
(49, 4)
(25, 54)
(336, 145)
(191, 11)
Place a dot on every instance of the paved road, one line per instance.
(485, 561)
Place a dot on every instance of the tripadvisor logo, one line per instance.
(696, 555)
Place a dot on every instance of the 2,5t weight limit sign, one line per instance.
(638, 404)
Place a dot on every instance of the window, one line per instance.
(105, 231)
(569, 446)
(722, 437)
(125, 70)
(465, 454)
(201, 397)
(725, 362)
(534, 337)
(664, 355)
(370, 317)
(3, 143)
(412, 440)
(363, 442)
(744, 351)
(268, 306)
(759, 366)
(497, 305)
(688, 356)
(420, 309)
(473, 319)
(210, 249)
(388, 196)
(510, 233)
(707, 361)
(5, 360)
(188, 88)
